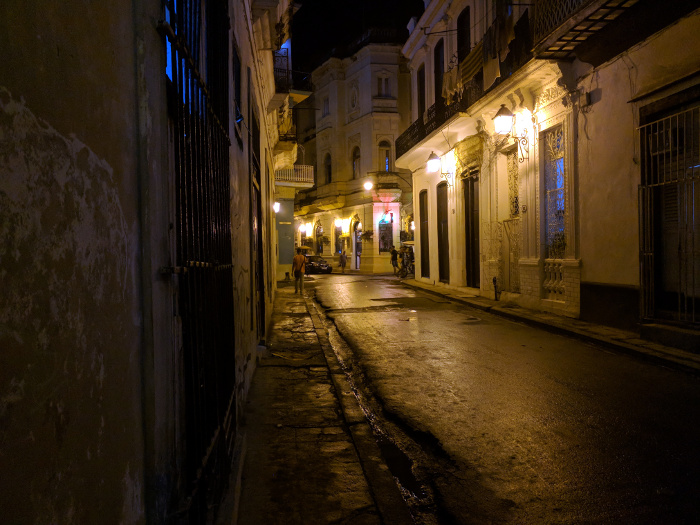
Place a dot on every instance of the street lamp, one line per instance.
(434, 164)
(503, 123)
(368, 185)
(276, 207)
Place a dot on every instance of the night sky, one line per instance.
(322, 26)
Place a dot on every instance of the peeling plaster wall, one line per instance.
(90, 383)
(71, 435)
(69, 340)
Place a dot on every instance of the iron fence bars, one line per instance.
(669, 218)
(198, 111)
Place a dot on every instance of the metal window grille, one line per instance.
(554, 184)
(513, 184)
(669, 214)
(197, 46)
(513, 227)
(554, 213)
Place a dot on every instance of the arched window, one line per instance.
(355, 162)
(439, 69)
(328, 168)
(384, 156)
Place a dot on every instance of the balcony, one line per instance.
(300, 176)
(559, 26)
(437, 115)
(472, 90)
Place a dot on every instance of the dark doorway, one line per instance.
(443, 233)
(471, 230)
(424, 244)
(358, 245)
(669, 197)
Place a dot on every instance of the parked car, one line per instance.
(317, 264)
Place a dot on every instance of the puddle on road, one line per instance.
(400, 466)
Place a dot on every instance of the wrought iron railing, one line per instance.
(520, 53)
(550, 14)
(438, 114)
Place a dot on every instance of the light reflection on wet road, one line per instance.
(540, 428)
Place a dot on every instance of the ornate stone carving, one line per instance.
(548, 96)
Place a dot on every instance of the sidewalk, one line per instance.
(620, 340)
(309, 455)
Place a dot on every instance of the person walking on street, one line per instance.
(394, 259)
(299, 267)
(343, 260)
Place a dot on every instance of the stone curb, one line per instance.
(390, 503)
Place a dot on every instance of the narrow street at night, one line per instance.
(507, 423)
(362, 262)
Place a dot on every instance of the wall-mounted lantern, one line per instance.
(434, 165)
(503, 124)
(276, 207)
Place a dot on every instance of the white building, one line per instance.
(547, 214)
(361, 203)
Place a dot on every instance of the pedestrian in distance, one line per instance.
(299, 267)
(394, 259)
(343, 261)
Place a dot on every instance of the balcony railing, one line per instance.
(550, 14)
(520, 53)
(438, 114)
(561, 26)
(300, 174)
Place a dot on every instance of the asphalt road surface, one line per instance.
(529, 427)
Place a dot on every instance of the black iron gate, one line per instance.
(197, 50)
(669, 214)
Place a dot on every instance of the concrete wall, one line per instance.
(90, 385)
(255, 93)
(74, 120)
(609, 147)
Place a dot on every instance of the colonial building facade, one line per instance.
(361, 202)
(556, 210)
